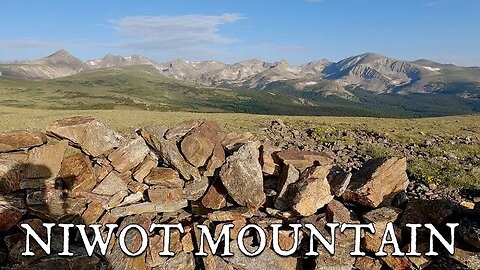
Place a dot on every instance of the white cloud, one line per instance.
(172, 32)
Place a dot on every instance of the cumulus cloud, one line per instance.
(167, 32)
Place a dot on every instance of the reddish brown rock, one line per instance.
(93, 213)
(167, 150)
(230, 214)
(368, 263)
(380, 218)
(132, 198)
(144, 168)
(378, 181)
(372, 242)
(92, 136)
(242, 176)
(164, 177)
(216, 160)
(195, 189)
(197, 146)
(304, 159)
(18, 140)
(238, 224)
(111, 185)
(102, 168)
(120, 261)
(165, 196)
(338, 213)
(116, 199)
(232, 141)
(269, 159)
(77, 173)
(436, 212)
(153, 259)
(312, 191)
(12, 210)
(181, 261)
(129, 155)
(268, 259)
(187, 240)
(216, 197)
(182, 129)
(10, 175)
(45, 161)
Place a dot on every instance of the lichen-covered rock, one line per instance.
(129, 155)
(10, 175)
(288, 176)
(242, 176)
(378, 181)
(77, 173)
(312, 191)
(92, 136)
(18, 140)
(198, 144)
(167, 150)
(112, 184)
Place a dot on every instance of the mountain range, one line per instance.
(365, 85)
(370, 72)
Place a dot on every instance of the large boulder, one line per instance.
(17, 140)
(92, 136)
(242, 176)
(378, 181)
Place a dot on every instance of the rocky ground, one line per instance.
(82, 171)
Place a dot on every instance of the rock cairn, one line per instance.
(80, 171)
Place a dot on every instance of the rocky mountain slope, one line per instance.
(371, 72)
(58, 64)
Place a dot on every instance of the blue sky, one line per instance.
(232, 30)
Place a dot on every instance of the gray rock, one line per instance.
(242, 176)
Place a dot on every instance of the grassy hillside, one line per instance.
(438, 168)
(142, 88)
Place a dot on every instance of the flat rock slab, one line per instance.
(304, 159)
(18, 140)
(378, 181)
(164, 177)
(112, 184)
(129, 155)
(242, 176)
(198, 144)
(92, 136)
